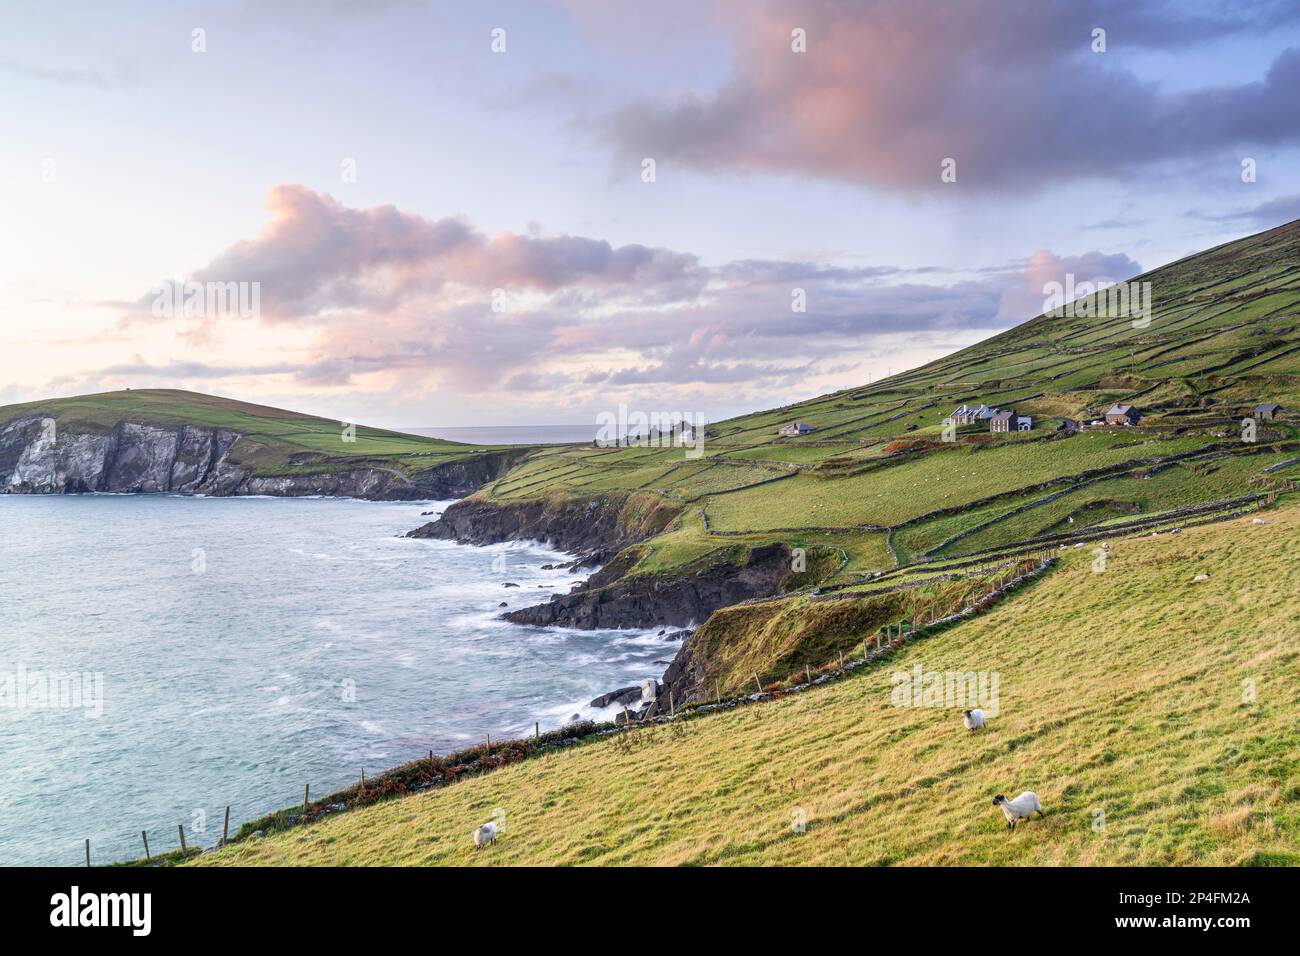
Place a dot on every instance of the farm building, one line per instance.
(969, 415)
(1267, 412)
(1024, 423)
(1003, 422)
(1121, 415)
(795, 429)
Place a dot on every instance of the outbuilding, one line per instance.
(795, 429)
(1122, 415)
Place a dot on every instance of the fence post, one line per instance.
(87, 851)
(225, 827)
(717, 692)
(758, 682)
(363, 778)
(537, 730)
(180, 828)
(672, 705)
(144, 836)
(306, 791)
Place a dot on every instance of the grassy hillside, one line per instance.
(1165, 703)
(877, 482)
(275, 441)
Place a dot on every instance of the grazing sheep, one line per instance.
(484, 835)
(972, 719)
(1021, 808)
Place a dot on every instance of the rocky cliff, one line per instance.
(606, 529)
(594, 529)
(681, 599)
(135, 457)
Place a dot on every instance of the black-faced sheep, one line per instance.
(1021, 808)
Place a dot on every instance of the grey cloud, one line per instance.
(888, 90)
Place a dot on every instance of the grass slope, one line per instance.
(275, 441)
(876, 481)
(1166, 703)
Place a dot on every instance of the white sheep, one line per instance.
(484, 835)
(1021, 808)
(972, 719)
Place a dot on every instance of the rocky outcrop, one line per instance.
(624, 695)
(135, 457)
(606, 529)
(680, 599)
(593, 528)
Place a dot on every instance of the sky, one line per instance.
(500, 213)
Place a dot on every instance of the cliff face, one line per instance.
(606, 530)
(190, 459)
(651, 600)
(594, 529)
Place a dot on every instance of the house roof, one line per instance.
(1267, 407)
(1004, 416)
(1119, 410)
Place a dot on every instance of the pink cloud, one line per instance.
(1011, 90)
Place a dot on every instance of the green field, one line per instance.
(1224, 336)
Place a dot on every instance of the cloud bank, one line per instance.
(389, 297)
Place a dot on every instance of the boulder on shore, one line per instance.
(624, 695)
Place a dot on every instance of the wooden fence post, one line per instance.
(306, 796)
(758, 682)
(537, 730)
(672, 705)
(717, 692)
(180, 828)
(87, 851)
(225, 827)
(144, 836)
(363, 778)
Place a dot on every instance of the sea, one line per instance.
(164, 657)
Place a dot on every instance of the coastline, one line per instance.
(530, 676)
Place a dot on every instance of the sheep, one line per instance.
(484, 835)
(1022, 807)
(972, 719)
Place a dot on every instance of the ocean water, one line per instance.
(235, 649)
